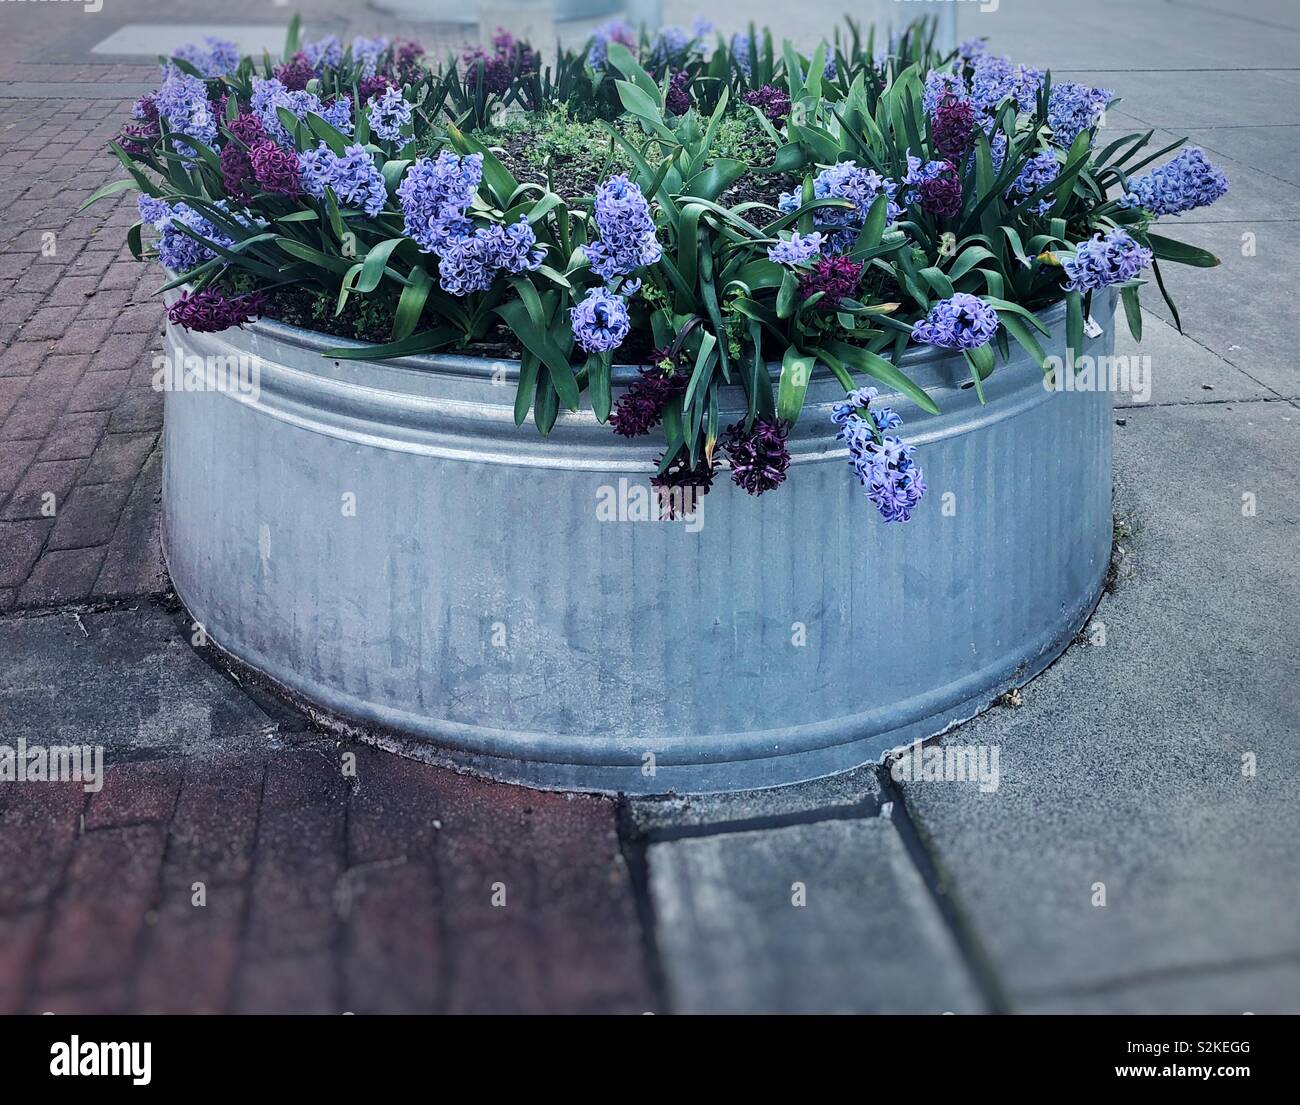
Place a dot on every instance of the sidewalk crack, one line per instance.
(970, 947)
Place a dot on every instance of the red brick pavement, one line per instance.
(79, 323)
(323, 891)
(79, 421)
(51, 43)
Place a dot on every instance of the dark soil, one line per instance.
(637, 349)
(575, 178)
(570, 178)
(361, 319)
(758, 188)
(299, 307)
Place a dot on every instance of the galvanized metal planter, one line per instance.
(381, 540)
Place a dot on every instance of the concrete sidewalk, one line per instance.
(1134, 855)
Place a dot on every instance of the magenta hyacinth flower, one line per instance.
(210, 311)
(759, 456)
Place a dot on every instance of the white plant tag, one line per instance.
(1091, 329)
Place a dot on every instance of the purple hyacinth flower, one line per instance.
(678, 98)
(847, 181)
(388, 113)
(276, 170)
(1186, 182)
(353, 177)
(600, 322)
(772, 102)
(1039, 170)
(641, 408)
(963, 321)
(1114, 258)
(796, 250)
(1073, 108)
(626, 228)
(836, 278)
(884, 464)
(435, 194)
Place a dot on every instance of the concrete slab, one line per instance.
(1268, 14)
(1263, 194)
(1180, 99)
(76, 90)
(125, 679)
(1274, 988)
(1241, 310)
(868, 940)
(853, 791)
(154, 39)
(1127, 769)
(1031, 32)
(1274, 149)
(1130, 34)
(1179, 370)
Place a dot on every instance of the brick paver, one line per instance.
(236, 882)
(79, 320)
(324, 888)
(76, 327)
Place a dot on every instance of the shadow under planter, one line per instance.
(380, 540)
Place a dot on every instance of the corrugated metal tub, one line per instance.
(382, 541)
